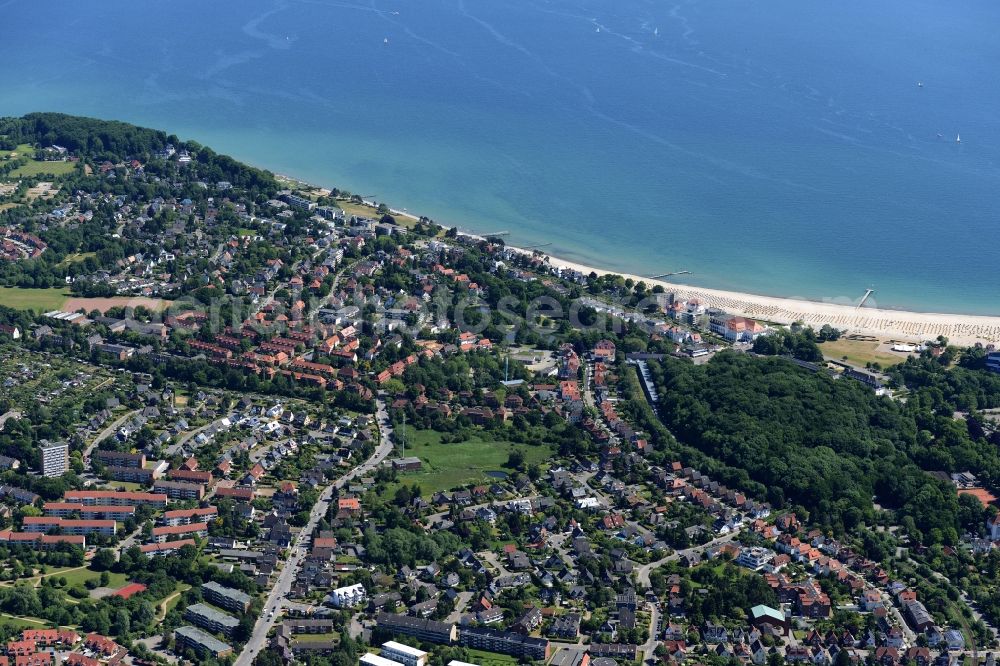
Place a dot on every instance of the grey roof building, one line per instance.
(211, 619)
(199, 641)
(226, 597)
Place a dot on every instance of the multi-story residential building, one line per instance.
(180, 490)
(120, 459)
(226, 597)
(116, 498)
(46, 524)
(238, 494)
(505, 642)
(95, 512)
(165, 533)
(188, 516)
(211, 619)
(142, 475)
(404, 654)
(755, 557)
(55, 460)
(40, 541)
(165, 548)
(190, 476)
(369, 659)
(431, 631)
(200, 642)
(347, 597)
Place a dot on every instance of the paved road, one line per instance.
(276, 600)
(460, 605)
(649, 646)
(642, 573)
(13, 414)
(108, 431)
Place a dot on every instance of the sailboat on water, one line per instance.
(958, 138)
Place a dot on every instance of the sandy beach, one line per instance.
(881, 323)
(895, 324)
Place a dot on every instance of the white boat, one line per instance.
(958, 138)
(385, 41)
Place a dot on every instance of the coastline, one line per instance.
(903, 325)
(876, 322)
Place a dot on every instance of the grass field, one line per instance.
(859, 352)
(491, 658)
(447, 466)
(36, 167)
(362, 210)
(39, 300)
(81, 576)
(75, 257)
(18, 623)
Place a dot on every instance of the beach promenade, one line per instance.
(896, 324)
(900, 325)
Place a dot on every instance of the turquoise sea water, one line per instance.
(773, 146)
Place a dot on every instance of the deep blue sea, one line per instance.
(781, 147)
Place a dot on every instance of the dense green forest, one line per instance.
(110, 138)
(831, 446)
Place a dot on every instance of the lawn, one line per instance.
(446, 466)
(35, 167)
(491, 658)
(859, 352)
(310, 638)
(360, 210)
(40, 300)
(75, 257)
(130, 486)
(17, 623)
(81, 576)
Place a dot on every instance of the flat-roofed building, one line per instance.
(404, 654)
(226, 597)
(55, 460)
(370, 659)
(201, 642)
(349, 596)
(211, 619)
